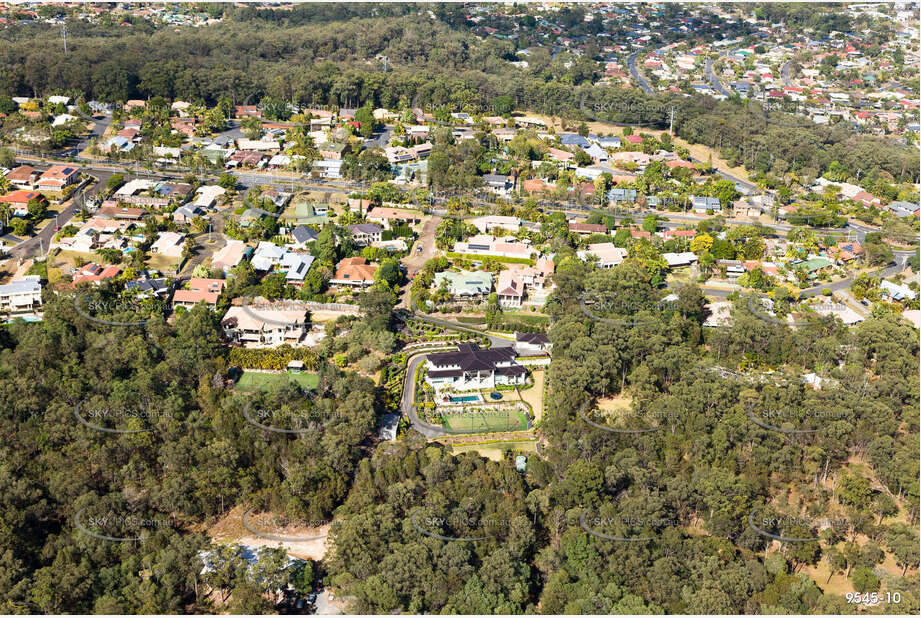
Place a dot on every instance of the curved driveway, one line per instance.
(412, 368)
(409, 382)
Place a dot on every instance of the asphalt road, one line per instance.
(381, 140)
(638, 77)
(38, 244)
(785, 73)
(715, 83)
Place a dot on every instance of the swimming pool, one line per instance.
(464, 398)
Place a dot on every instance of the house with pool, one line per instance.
(471, 368)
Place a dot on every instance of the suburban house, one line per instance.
(19, 201)
(510, 289)
(606, 254)
(701, 205)
(587, 229)
(532, 343)
(23, 177)
(208, 196)
(677, 260)
(895, 292)
(365, 234)
(263, 324)
(145, 287)
(231, 254)
(464, 284)
(295, 267)
(354, 271)
(303, 235)
(95, 274)
(497, 183)
(200, 290)
(670, 234)
(58, 177)
(168, 244)
(389, 217)
(117, 212)
(267, 255)
(185, 214)
(472, 368)
(21, 297)
(488, 223)
(900, 209)
(489, 246)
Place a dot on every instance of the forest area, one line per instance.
(420, 529)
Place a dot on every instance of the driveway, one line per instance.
(417, 259)
(409, 381)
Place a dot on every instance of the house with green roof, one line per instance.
(465, 284)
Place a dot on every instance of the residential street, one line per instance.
(638, 77)
(715, 83)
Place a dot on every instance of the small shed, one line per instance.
(521, 463)
(296, 366)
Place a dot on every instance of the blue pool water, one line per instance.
(465, 398)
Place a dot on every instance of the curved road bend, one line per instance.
(785, 73)
(715, 83)
(638, 77)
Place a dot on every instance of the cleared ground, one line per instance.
(230, 529)
(496, 451)
(534, 396)
(252, 381)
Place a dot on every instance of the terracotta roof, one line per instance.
(355, 269)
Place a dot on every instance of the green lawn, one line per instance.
(479, 258)
(487, 422)
(252, 381)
